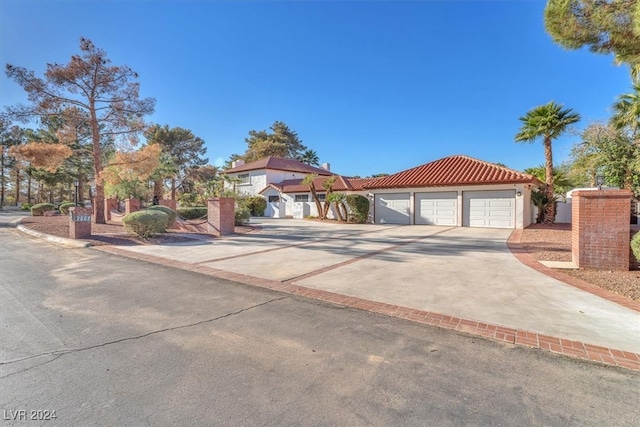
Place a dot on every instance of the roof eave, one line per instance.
(451, 184)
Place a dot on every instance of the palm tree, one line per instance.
(310, 157)
(626, 112)
(548, 122)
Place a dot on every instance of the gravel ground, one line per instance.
(553, 243)
(544, 242)
(113, 233)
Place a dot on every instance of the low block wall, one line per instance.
(110, 205)
(168, 203)
(131, 205)
(600, 229)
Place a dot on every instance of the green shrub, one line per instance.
(635, 245)
(64, 207)
(192, 212)
(145, 223)
(187, 199)
(256, 204)
(171, 214)
(359, 206)
(26, 206)
(242, 215)
(41, 208)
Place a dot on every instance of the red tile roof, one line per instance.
(277, 163)
(453, 170)
(342, 183)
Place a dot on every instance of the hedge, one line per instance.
(635, 245)
(257, 205)
(192, 212)
(242, 215)
(171, 214)
(64, 207)
(145, 223)
(41, 208)
(359, 206)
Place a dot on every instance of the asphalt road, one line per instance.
(103, 340)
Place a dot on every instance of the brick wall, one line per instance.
(168, 203)
(110, 205)
(131, 205)
(600, 229)
(221, 216)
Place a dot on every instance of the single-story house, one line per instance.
(454, 191)
(458, 191)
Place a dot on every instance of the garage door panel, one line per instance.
(437, 208)
(392, 208)
(507, 203)
(499, 214)
(489, 209)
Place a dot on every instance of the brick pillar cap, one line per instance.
(622, 193)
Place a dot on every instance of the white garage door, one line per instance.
(392, 208)
(496, 209)
(440, 208)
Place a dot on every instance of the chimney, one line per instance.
(326, 166)
(237, 163)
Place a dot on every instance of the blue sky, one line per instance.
(372, 86)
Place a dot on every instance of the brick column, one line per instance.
(221, 216)
(109, 205)
(79, 222)
(168, 203)
(131, 205)
(600, 229)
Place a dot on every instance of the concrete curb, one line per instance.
(515, 246)
(55, 239)
(11, 224)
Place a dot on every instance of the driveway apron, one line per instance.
(463, 272)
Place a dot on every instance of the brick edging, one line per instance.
(515, 246)
(576, 349)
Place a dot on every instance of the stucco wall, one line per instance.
(259, 179)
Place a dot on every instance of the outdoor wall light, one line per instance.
(599, 181)
(76, 184)
(519, 193)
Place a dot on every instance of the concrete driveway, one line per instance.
(463, 272)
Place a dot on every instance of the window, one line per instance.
(274, 199)
(321, 197)
(244, 179)
(301, 198)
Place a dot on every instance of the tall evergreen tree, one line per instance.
(10, 136)
(181, 149)
(280, 142)
(89, 89)
(604, 26)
